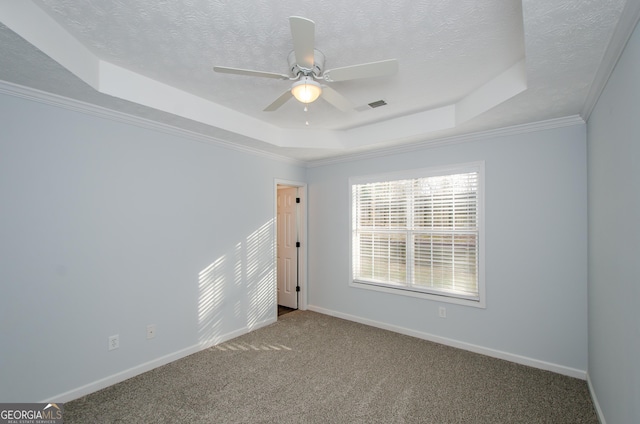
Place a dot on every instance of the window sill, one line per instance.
(403, 291)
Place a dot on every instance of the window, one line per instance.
(420, 233)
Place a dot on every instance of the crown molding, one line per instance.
(428, 144)
(619, 39)
(32, 94)
(39, 96)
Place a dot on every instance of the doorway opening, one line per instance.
(290, 255)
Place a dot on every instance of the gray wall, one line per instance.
(536, 249)
(106, 227)
(614, 241)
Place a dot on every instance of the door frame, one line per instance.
(302, 237)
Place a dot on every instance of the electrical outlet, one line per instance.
(114, 342)
(151, 331)
(442, 312)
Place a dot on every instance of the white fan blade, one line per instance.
(250, 73)
(336, 99)
(279, 101)
(365, 70)
(303, 34)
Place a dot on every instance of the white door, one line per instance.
(287, 250)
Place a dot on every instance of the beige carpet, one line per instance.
(312, 368)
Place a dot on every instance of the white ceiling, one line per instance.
(464, 66)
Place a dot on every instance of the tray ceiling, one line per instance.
(464, 66)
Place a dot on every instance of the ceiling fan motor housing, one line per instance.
(318, 65)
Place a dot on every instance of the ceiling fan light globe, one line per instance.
(306, 90)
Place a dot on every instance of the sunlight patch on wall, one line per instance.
(261, 274)
(238, 290)
(211, 284)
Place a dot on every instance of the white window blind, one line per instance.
(419, 234)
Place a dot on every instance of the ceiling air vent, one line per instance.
(371, 105)
(376, 104)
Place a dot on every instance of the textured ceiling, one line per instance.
(451, 47)
(445, 51)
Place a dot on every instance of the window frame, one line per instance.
(433, 171)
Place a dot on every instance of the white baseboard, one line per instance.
(518, 359)
(154, 363)
(148, 366)
(594, 398)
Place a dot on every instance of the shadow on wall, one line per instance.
(238, 288)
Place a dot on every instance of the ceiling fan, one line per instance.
(306, 68)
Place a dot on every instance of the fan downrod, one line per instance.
(298, 71)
